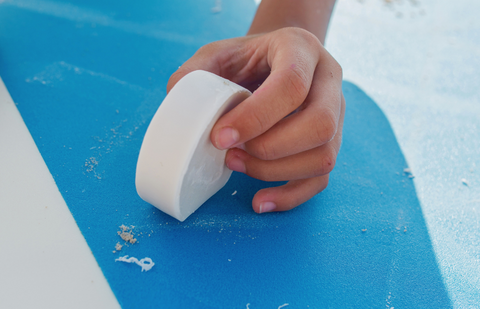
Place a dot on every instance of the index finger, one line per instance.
(292, 58)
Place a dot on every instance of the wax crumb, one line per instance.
(141, 263)
(465, 182)
(126, 234)
(364, 230)
(118, 246)
(235, 192)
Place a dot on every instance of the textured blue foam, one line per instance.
(88, 76)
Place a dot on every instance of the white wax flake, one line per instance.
(235, 192)
(145, 266)
(465, 182)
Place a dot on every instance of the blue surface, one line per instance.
(87, 80)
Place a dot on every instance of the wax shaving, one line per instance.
(145, 266)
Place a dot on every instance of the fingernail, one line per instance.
(227, 137)
(267, 207)
(236, 164)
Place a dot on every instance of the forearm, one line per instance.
(311, 15)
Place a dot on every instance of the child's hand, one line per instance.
(291, 127)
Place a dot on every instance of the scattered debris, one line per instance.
(91, 164)
(145, 266)
(126, 234)
(465, 182)
(235, 192)
(118, 246)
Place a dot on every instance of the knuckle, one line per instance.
(264, 152)
(304, 35)
(326, 163)
(311, 40)
(325, 127)
(329, 160)
(297, 84)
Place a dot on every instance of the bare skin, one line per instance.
(290, 129)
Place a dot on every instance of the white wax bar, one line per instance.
(178, 168)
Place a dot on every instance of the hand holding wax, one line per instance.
(290, 128)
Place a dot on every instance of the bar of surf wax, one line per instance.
(178, 168)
